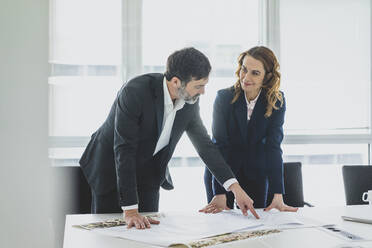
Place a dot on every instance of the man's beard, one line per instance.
(184, 95)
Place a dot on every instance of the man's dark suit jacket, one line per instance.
(252, 149)
(120, 153)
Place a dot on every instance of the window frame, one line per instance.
(269, 28)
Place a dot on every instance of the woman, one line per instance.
(248, 129)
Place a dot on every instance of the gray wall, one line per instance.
(24, 186)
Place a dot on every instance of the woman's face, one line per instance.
(251, 75)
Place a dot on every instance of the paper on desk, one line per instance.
(287, 220)
(275, 219)
(183, 227)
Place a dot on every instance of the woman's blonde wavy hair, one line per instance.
(271, 81)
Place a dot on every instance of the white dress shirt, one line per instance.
(170, 111)
(250, 105)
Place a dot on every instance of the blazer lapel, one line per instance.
(159, 103)
(176, 124)
(258, 113)
(240, 111)
(178, 119)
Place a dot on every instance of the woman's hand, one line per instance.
(217, 204)
(279, 204)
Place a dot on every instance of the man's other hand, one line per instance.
(134, 219)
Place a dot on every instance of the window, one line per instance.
(85, 59)
(325, 55)
(220, 30)
(323, 154)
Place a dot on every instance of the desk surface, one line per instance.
(305, 237)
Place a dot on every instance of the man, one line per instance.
(126, 160)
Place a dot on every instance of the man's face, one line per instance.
(193, 89)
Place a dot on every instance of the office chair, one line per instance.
(85, 194)
(71, 195)
(357, 179)
(293, 186)
(71, 184)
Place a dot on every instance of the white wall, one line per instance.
(24, 186)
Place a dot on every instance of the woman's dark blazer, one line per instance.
(252, 149)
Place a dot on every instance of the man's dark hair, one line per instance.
(187, 64)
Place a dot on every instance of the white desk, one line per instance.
(306, 237)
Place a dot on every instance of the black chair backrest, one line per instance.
(71, 184)
(85, 194)
(71, 195)
(294, 195)
(357, 179)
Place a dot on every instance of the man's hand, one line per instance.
(217, 204)
(244, 202)
(279, 204)
(133, 218)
